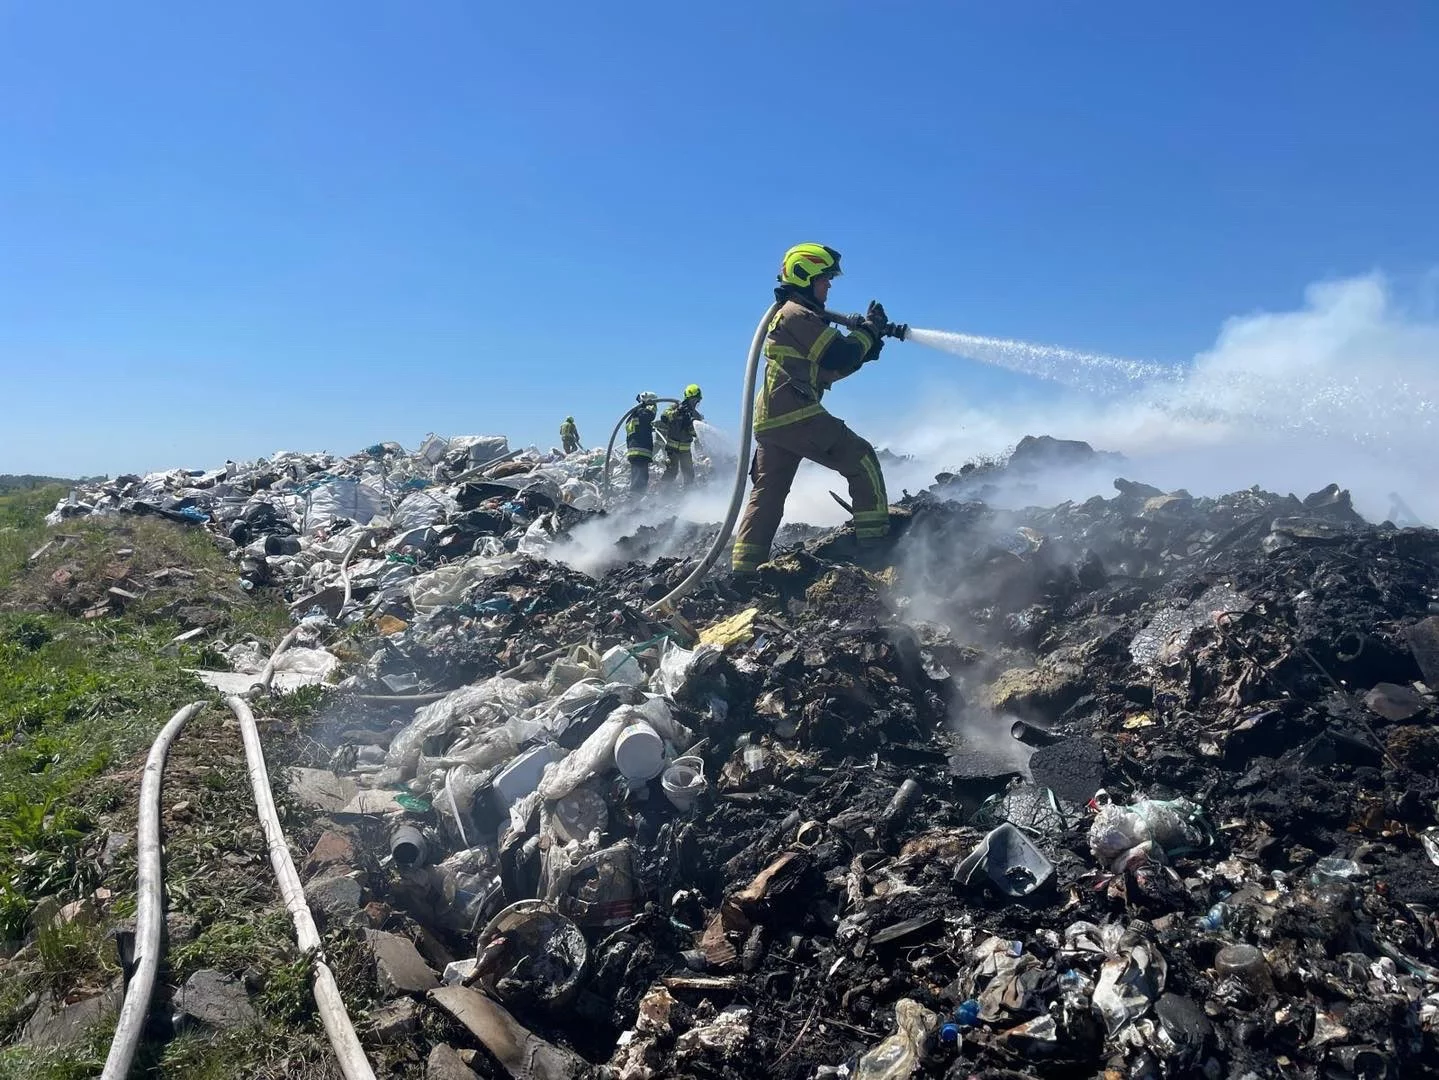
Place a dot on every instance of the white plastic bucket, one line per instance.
(639, 752)
(684, 781)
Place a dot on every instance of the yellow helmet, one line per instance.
(692, 391)
(805, 262)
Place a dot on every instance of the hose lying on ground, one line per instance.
(327, 993)
(267, 676)
(150, 902)
(345, 569)
(746, 428)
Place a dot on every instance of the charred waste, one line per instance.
(1142, 786)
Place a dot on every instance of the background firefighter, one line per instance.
(640, 441)
(569, 435)
(804, 357)
(677, 426)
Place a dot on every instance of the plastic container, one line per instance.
(684, 781)
(1214, 920)
(542, 960)
(1246, 964)
(1011, 861)
(408, 847)
(639, 752)
(1331, 870)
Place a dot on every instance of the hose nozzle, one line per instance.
(854, 322)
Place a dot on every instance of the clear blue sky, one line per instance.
(229, 229)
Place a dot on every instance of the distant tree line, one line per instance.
(9, 482)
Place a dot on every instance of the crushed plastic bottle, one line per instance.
(897, 1057)
(1333, 870)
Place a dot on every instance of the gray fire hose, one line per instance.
(351, 1056)
(741, 472)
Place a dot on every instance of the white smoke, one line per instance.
(1346, 389)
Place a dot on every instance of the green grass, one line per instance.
(243, 940)
(91, 558)
(22, 526)
(80, 701)
(76, 951)
(74, 700)
(80, 1062)
(274, 1051)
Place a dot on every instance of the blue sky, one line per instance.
(231, 229)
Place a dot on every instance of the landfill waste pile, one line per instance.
(1138, 787)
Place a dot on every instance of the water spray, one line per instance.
(1071, 367)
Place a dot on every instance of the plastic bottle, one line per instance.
(949, 1034)
(966, 1013)
(1215, 919)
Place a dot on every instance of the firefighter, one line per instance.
(677, 425)
(569, 435)
(804, 357)
(640, 441)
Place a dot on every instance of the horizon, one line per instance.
(231, 232)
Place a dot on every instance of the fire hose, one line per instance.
(338, 1025)
(746, 427)
(149, 902)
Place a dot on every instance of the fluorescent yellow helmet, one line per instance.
(692, 391)
(805, 262)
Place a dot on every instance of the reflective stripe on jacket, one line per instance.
(804, 357)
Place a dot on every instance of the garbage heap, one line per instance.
(387, 531)
(1136, 787)
(1142, 786)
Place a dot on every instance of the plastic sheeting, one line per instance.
(448, 585)
(486, 703)
(421, 508)
(676, 665)
(346, 498)
(482, 448)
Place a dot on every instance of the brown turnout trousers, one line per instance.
(824, 439)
